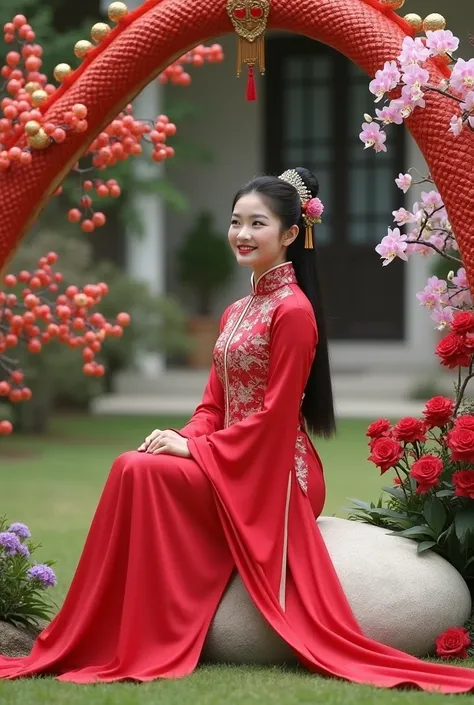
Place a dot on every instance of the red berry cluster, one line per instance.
(30, 318)
(119, 141)
(175, 73)
(28, 89)
(85, 215)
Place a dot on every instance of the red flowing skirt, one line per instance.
(159, 554)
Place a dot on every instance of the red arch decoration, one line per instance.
(162, 30)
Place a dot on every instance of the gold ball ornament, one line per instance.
(82, 47)
(433, 22)
(38, 97)
(32, 128)
(61, 72)
(414, 20)
(32, 86)
(394, 4)
(40, 140)
(99, 31)
(117, 11)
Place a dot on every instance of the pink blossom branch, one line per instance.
(444, 92)
(436, 249)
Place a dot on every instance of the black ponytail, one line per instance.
(284, 201)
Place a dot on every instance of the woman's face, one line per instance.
(255, 235)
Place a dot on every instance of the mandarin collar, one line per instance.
(273, 279)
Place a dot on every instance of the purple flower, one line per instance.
(10, 542)
(21, 530)
(24, 550)
(44, 574)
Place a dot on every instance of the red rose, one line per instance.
(466, 421)
(463, 323)
(378, 428)
(461, 444)
(426, 471)
(385, 453)
(463, 481)
(452, 351)
(453, 643)
(438, 411)
(409, 430)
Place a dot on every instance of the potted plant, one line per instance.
(205, 266)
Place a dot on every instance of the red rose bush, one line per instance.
(431, 460)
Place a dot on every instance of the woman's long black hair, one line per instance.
(283, 199)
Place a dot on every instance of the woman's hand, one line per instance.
(168, 442)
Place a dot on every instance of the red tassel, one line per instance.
(251, 90)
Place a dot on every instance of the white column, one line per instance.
(145, 251)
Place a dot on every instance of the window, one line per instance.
(315, 102)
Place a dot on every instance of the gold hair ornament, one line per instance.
(312, 207)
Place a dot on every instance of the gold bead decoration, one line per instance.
(82, 47)
(117, 11)
(32, 86)
(32, 128)
(38, 97)
(415, 21)
(99, 31)
(40, 140)
(394, 4)
(61, 72)
(433, 22)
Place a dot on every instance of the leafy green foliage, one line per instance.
(438, 519)
(23, 600)
(205, 262)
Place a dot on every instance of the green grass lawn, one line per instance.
(53, 483)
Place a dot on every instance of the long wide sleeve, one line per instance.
(249, 462)
(209, 415)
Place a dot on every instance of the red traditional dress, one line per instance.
(168, 531)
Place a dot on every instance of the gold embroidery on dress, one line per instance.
(242, 353)
(301, 465)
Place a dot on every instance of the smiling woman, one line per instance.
(239, 486)
(256, 236)
(289, 208)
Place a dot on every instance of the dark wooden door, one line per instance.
(314, 106)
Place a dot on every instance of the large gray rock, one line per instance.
(399, 598)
